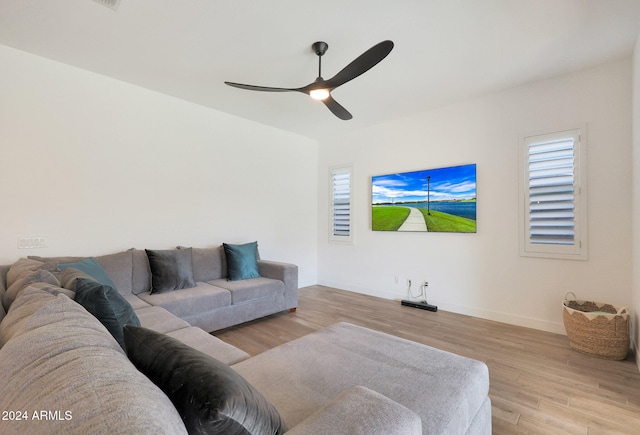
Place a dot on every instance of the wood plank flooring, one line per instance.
(538, 384)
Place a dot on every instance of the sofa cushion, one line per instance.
(399, 369)
(170, 270)
(199, 299)
(31, 299)
(117, 266)
(135, 301)
(249, 289)
(21, 268)
(208, 394)
(159, 319)
(107, 305)
(69, 277)
(208, 263)
(141, 282)
(207, 343)
(62, 359)
(91, 267)
(242, 261)
(24, 280)
(361, 411)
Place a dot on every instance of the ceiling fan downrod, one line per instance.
(320, 48)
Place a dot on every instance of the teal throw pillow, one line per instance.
(106, 305)
(91, 267)
(242, 261)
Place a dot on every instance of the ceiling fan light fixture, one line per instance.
(319, 94)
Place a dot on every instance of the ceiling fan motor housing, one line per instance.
(320, 47)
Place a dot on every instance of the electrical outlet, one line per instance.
(409, 282)
(426, 284)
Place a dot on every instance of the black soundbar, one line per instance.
(422, 305)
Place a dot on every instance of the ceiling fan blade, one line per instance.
(260, 88)
(337, 109)
(361, 64)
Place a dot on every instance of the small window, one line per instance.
(340, 208)
(553, 196)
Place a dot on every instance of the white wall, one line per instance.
(636, 202)
(97, 166)
(482, 274)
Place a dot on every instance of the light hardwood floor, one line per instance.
(538, 383)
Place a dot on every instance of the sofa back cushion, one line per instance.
(141, 272)
(62, 359)
(208, 263)
(23, 281)
(118, 266)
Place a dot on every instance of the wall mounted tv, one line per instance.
(432, 200)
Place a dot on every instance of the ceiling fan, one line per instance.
(321, 89)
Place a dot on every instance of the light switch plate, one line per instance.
(30, 242)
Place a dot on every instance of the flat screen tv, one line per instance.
(431, 200)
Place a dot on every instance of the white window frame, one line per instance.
(577, 249)
(333, 207)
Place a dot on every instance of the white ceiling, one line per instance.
(445, 50)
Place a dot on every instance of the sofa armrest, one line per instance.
(285, 272)
(360, 411)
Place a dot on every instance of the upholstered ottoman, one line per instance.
(449, 392)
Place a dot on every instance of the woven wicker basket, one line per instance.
(596, 329)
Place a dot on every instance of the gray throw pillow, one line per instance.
(170, 270)
(106, 305)
(210, 396)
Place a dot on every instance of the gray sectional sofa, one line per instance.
(62, 371)
(215, 302)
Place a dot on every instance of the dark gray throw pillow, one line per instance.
(210, 396)
(106, 305)
(170, 270)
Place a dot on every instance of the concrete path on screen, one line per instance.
(414, 222)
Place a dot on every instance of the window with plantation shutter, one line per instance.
(553, 196)
(340, 210)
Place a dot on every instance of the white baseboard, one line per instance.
(527, 322)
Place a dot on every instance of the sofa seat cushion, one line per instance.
(159, 319)
(64, 361)
(210, 345)
(201, 298)
(249, 289)
(299, 377)
(135, 301)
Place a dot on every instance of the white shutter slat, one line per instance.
(341, 203)
(551, 192)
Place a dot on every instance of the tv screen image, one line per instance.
(431, 200)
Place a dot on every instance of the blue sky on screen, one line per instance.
(446, 184)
